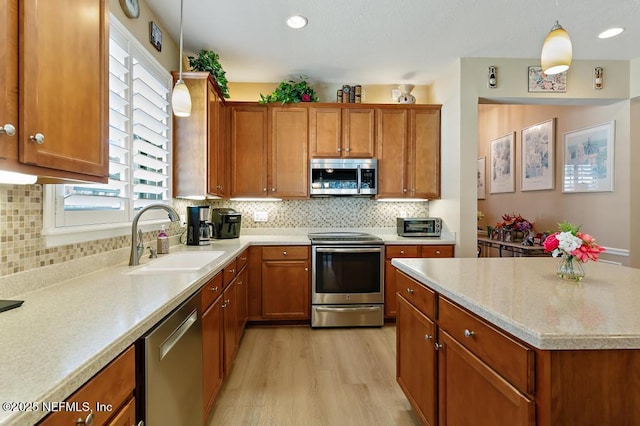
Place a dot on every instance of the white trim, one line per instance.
(613, 251)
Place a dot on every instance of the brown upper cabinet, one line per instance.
(408, 152)
(341, 132)
(200, 144)
(269, 151)
(59, 111)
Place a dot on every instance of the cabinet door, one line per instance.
(214, 173)
(249, 151)
(243, 293)
(391, 149)
(358, 132)
(64, 89)
(126, 416)
(424, 158)
(416, 360)
(285, 289)
(289, 158)
(462, 377)
(325, 132)
(9, 81)
(230, 314)
(212, 354)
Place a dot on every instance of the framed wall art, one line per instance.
(537, 155)
(541, 82)
(502, 168)
(155, 36)
(588, 159)
(481, 178)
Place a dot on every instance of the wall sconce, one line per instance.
(598, 78)
(493, 78)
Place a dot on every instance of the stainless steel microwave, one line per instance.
(419, 226)
(343, 176)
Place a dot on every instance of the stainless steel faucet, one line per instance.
(137, 245)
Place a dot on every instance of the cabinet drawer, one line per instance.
(418, 295)
(402, 251)
(113, 385)
(285, 253)
(229, 273)
(437, 251)
(210, 291)
(241, 260)
(509, 358)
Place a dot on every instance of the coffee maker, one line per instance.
(226, 223)
(200, 230)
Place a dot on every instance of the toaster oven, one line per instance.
(419, 226)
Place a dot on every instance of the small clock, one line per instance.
(131, 8)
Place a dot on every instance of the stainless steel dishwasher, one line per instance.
(172, 353)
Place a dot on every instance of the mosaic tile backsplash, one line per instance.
(22, 246)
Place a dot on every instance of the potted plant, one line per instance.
(291, 92)
(208, 60)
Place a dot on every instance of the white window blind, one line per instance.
(139, 141)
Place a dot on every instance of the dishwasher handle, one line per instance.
(177, 334)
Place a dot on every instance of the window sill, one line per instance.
(55, 237)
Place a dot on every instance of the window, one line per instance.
(139, 149)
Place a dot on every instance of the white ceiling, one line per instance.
(390, 41)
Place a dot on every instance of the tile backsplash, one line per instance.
(22, 246)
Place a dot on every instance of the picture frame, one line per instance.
(502, 167)
(589, 159)
(155, 36)
(542, 83)
(481, 178)
(537, 152)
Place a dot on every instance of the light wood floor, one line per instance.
(301, 376)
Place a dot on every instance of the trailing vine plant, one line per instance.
(290, 91)
(208, 60)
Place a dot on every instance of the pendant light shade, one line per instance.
(181, 98)
(556, 51)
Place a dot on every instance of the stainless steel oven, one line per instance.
(347, 279)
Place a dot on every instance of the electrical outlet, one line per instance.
(260, 217)
(402, 213)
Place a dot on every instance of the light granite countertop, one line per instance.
(68, 329)
(524, 297)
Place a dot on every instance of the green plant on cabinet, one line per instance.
(208, 60)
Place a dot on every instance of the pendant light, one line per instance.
(181, 98)
(556, 50)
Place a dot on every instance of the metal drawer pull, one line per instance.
(38, 138)
(428, 337)
(437, 251)
(410, 290)
(437, 345)
(214, 288)
(8, 129)
(468, 333)
(284, 253)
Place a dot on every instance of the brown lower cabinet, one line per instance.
(224, 307)
(458, 369)
(108, 396)
(285, 282)
(403, 251)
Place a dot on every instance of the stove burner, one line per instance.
(344, 238)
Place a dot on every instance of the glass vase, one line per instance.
(569, 268)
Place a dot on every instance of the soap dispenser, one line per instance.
(163, 241)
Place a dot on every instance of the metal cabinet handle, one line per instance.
(273, 189)
(348, 149)
(468, 333)
(410, 290)
(8, 129)
(264, 189)
(214, 288)
(428, 337)
(87, 421)
(306, 269)
(240, 282)
(233, 271)
(284, 253)
(38, 138)
(437, 345)
(401, 251)
(437, 251)
(339, 149)
(404, 190)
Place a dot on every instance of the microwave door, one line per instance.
(359, 180)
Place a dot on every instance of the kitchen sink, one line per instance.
(177, 262)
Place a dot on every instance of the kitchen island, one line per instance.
(513, 344)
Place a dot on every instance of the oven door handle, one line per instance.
(349, 309)
(349, 250)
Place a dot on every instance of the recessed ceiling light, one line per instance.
(297, 22)
(611, 32)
